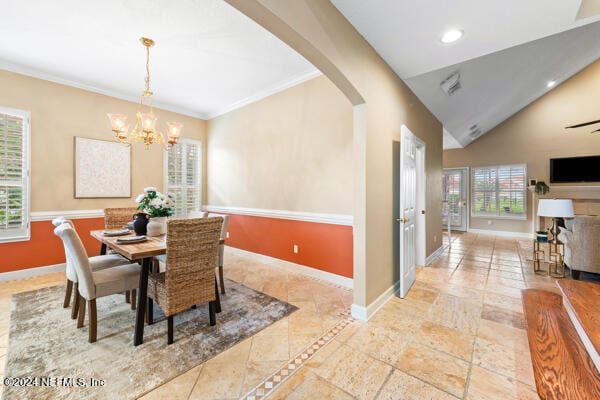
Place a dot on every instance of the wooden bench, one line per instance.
(562, 368)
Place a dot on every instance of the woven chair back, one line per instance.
(117, 218)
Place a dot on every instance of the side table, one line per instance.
(555, 259)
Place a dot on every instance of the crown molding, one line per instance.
(266, 93)
(35, 73)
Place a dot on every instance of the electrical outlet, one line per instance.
(295, 249)
(434, 239)
(227, 235)
(489, 221)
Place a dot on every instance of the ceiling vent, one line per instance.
(451, 84)
(475, 134)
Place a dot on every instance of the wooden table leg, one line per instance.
(142, 299)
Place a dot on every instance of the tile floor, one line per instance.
(458, 334)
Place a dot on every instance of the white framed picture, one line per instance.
(102, 168)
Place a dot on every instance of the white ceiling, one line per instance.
(495, 83)
(496, 86)
(208, 59)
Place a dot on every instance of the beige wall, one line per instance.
(291, 151)
(536, 134)
(58, 113)
(382, 103)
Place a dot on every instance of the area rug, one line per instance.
(55, 360)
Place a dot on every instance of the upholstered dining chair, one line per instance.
(189, 279)
(221, 247)
(96, 263)
(95, 284)
(117, 218)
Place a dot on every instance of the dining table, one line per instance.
(143, 252)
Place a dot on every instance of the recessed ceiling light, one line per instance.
(551, 84)
(451, 36)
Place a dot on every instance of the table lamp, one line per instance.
(555, 208)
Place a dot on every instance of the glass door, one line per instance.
(456, 195)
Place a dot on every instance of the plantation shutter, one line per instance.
(499, 191)
(184, 176)
(14, 175)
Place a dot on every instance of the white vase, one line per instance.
(157, 226)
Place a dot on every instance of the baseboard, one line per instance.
(520, 235)
(434, 255)
(335, 219)
(301, 269)
(365, 313)
(31, 272)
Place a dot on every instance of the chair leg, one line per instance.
(150, 311)
(170, 329)
(212, 312)
(127, 297)
(76, 297)
(133, 298)
(93, 320)
(81, 315)
(217, 298)
(68, 294)
(221, 281)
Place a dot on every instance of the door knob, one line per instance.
(402, 220)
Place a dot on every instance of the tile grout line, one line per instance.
(275, 380)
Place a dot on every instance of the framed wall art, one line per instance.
(102, 168)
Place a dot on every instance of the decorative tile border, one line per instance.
(273, 382)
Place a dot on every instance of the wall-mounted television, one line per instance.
(575, 169)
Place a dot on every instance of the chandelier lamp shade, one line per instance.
(144, 129)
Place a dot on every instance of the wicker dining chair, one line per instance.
(97, 263)
(221, 247)
(117, 218)
(189, 279)
(95, 284)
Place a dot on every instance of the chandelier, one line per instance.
(145, 120)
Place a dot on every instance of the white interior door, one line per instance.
(408, 203)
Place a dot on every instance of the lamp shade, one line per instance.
(562, 208)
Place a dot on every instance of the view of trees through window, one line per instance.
(499, 191)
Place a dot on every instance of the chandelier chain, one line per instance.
(147, 68)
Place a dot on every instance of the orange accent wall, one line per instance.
(45, 248)
(322, 246)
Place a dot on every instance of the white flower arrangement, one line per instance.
(155, 203)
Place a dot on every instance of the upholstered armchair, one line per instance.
(582, 244)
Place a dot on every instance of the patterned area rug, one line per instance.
(57, 362)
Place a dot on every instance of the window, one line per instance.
(184, 176)
(499, 191)
(14, 175)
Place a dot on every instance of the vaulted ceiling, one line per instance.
(510, 50)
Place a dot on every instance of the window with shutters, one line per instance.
(184, 176)
(14, 175)
(499, 191)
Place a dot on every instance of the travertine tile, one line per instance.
(456, 313)
(315, 384)
(422, 295)
(257, 371)
(179, 388)
(436, 368)
(506, 360)
(486, 385)
(448, 340)
(502, 301)
(359, 374)
(219, 381)
(384, 344)
(270, 348)
(503, 316)
(405, 387)
(502, 334)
